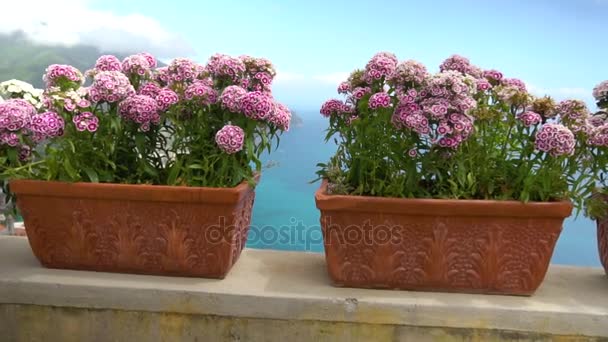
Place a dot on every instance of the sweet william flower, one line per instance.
(86, 121)
(257, 105)
(220, 65)
(600, 93)
(202, 92)
(281, 117)
(555, 139)
(344, 88)
(382, 64)
(47, 125)
(529, 118)
(231, 98)
(107, 63)
(151, 60)
(110, 86)
(408, 73)
(136, 65)
(140, 109)
(151, 89)
(331, 107)
(230, 139)
(379, 100)
(62, 75)
(16, 114)
(166, 98)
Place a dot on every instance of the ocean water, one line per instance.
(285, 216)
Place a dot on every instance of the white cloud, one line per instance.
(72, 22)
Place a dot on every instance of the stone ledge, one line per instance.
(294, 286)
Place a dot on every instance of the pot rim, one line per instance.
(131, 192)
(440, 207)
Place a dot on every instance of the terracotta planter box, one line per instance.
(602, 241)
(469, 246)
(145, 229)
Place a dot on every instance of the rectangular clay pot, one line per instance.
(144, 229)
(467, 246)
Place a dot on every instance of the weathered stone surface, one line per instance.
(278, 296)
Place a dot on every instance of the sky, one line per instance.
(558, 47)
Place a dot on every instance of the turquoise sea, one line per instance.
(285, 216)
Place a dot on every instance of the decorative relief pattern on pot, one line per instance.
(137, 236)
(474, 254)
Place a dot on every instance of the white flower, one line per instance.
(19, 89)
(1, 99)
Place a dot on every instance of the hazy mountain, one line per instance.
(26, 61)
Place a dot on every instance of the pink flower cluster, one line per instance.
(230, 139)
(151, 89)
(110, 86)
(529, 118)
(514, 82)
(408, 74)
(483, 85)
(182, 69)
(600, 92)
(262, 81)
(47, 125)
(86, 121)
(344, 88)
(140, 109)
(224, 66)
(254, 65)
(19, 120)
(509, 94)
(280, 117)
(409, 115)
(231, 98)
(574, 114)
(259, 73)
(359, 92)
(460, 64)
(57, 75)
(331, 107)
(136, 65)
(16, 114)
(161, 75)
(599, 135)
(379, 100)
(202, 92)
(493, 76)
(439, 109)
(166, 98)
(257, 105)
(555, 139)
(151, 60)
(108, 63)
(382, 64)
(9, 138)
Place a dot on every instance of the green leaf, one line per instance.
(140, 142)
(93, 177)
(174, 172)
(72, 173)
(149, 169)
(196, 166)
(12, 155)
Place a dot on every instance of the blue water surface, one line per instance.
(285, 216)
